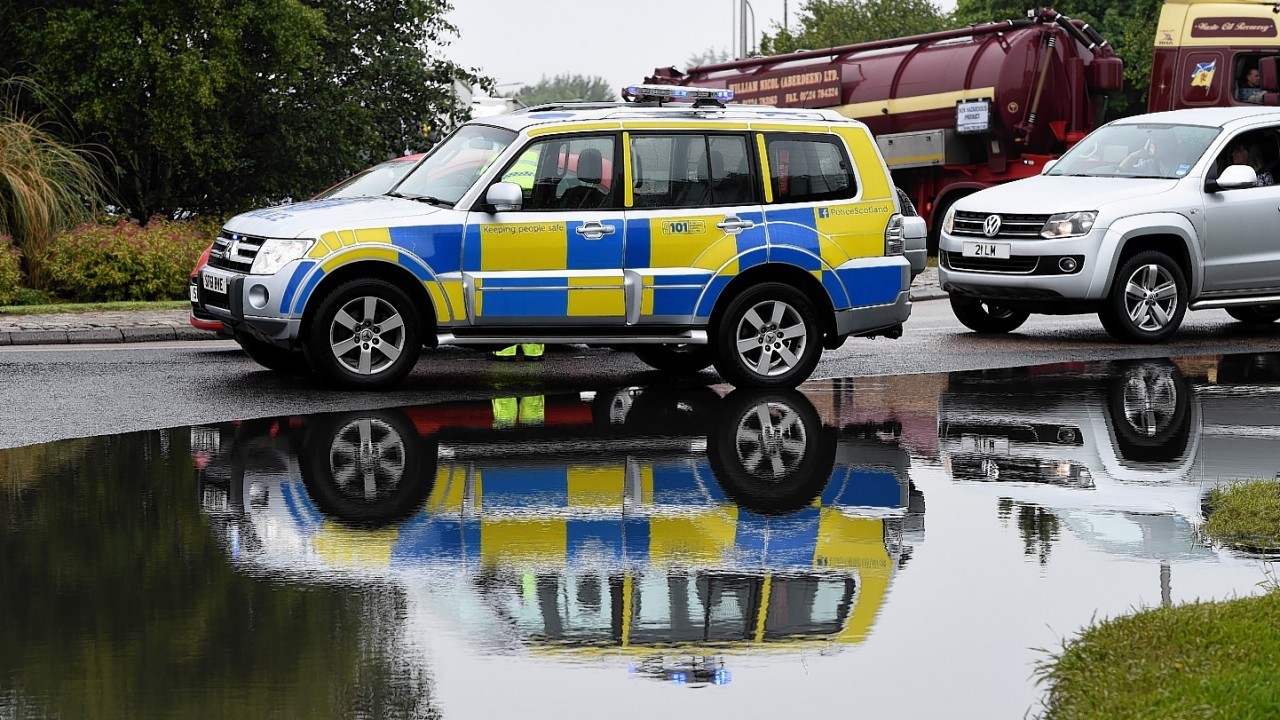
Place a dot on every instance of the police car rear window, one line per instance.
(809, 168)
(691, 170)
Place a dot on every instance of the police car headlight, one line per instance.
(949, 222)
(1072, 224)
(275, 254)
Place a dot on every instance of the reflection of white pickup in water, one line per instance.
(1111, 445)
(630, 522)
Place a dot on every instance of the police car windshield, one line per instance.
(455, 164)
(1129, 150)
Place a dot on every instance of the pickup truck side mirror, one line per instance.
(1236, 176)
(504, 197)
(1048, 166)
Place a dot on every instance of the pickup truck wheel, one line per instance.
(768, 337)
(272, 357)
(1149, 406)
(365, 335)
(985, 316)
(1256, 314)
(675, 358)
(1148, 299)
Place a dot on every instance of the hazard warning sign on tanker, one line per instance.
(973, 116)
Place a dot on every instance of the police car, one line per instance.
(692, 234)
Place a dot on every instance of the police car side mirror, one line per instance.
(1236, 176)
(504, 197)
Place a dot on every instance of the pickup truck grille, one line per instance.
(970, 224)
(1017, 264)
(232, 251)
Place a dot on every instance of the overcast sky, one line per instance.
(517, 42)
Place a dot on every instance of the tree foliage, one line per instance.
(828, 23)
(710, 56)
(215, 105)
(562, 88)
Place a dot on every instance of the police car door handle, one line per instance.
(593, 230)
(733, 224)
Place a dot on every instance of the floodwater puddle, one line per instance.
(612, 550)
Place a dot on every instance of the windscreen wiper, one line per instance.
(423, 198)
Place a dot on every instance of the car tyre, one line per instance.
(984, 316)
(769, 450)
(365, 335)
(682, 359)
(768, 337)
(367, 468)
(1148, 299)
(1255, 314)
(272, 357)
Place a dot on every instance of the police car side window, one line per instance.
(567, 173)
(690, 170)
(806, 168)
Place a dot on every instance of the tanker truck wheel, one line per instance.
(985, 316)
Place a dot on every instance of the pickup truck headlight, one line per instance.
(1065, 225)
(275, 254)
(949, 221)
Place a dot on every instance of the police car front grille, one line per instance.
(1011, 225)
(232, 251)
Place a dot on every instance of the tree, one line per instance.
(216, 105)
(710, 56)
(828, 23)
(562, 88)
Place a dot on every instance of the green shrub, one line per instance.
(112, 259)
(10, 271)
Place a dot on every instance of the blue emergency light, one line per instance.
(676, 92)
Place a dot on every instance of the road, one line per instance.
(59, 392)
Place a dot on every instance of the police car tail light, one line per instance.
(276, 253)
(893, 236)
(678, 93)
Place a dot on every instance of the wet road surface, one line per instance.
(885, 546)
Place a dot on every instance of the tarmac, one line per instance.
(160, 325)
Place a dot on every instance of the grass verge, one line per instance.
(1246, 514)
(1201, 660)
(125, 305)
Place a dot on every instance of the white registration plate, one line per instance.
(985, 445)
(195, 293)
(987, 250)
(214, 283)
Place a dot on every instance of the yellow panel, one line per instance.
(867, 602)
(628, 185)
(720, 256)
(704, 537)
(858, 228)
(832, 254)
(453, 290)
(573, 127)
(348, 237)
(680, 241)
(646, 483)
(598, 487)
(508, 541)
(523, 246)
(688, 125)
(851, 542)
(447, 494)
(363, 253)
(763, 613)
(916, 103)
(328, 243)
(373, 235)
(646, 301)
(347, 547)
(898, 160)
(1177, 19)
(764, 168)
(875, 184)
(597, 303)
(438, 299)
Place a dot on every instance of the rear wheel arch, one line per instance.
(376, 269)
(781, 273)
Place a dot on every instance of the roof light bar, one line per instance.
(676, 92)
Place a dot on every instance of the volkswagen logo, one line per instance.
(991, 225)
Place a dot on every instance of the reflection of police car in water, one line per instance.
(671, 525)
(1110, 446)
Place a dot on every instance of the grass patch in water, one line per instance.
(1246, 513)
(1200, 660)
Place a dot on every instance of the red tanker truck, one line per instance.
(953, 111)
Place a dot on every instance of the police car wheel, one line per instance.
(675, 358)
(365, 334)
(768, 337)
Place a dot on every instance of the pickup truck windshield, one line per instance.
(1137, 151)
(454, 165)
